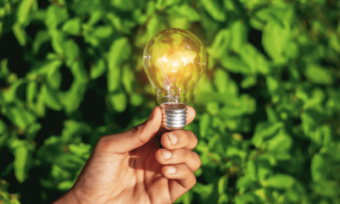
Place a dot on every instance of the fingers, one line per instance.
(179, 139)
(134, 138)
(177, 156)
(181, 179)
(191, 114)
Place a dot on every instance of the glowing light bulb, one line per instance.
(174, 61)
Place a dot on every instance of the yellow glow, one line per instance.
(177, 61)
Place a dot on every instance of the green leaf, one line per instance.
(221, 79)
(178, 22)
(223, 199)
(272, 83)
(80, 149)
(251, 170)
(326, 188)
(19, 33)
(220, 44)
(318, 168)
(54, 76)
(248, 82)
(65, 185)
(75, 95)
(58, 42)
(23, 10)
(213, 108)
(123, 5)
(119, 52)
(222, 185)
(33, 130)
(71, 52)
(255, 60)
(281, 142)
(334, 42)
(153, 26)
(118, 101)
(21, 156)
(185, 11)
(128, 78)
(264, 131)
(115, 20)
(319, 75)
(204, 124)
(98, 69)
(79, 73)
(136, 99)
(279, 181)
(74, 129)
(275, 38)
(235, 65)
(54, 16)
(72, 26)
(20, 117)
(261, 193)
(50, 98)
(162, 4)
(214, 9)
(10, 94)
(102, 32)
(243, 182)
(238, 107)
(41, 37)
(203, 190)
(238, 32)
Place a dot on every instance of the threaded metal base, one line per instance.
(174, 115)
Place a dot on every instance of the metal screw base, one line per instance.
(174, 115)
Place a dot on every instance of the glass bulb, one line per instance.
(174, 60)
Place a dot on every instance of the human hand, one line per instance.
(130, 167)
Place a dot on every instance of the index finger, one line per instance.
(191, 114)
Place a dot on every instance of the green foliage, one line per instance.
(268, 106)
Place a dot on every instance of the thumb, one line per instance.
(135, 137)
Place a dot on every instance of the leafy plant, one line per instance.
(268, 106)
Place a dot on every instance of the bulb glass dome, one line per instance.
(174, 61)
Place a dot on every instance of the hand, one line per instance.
(130, 167)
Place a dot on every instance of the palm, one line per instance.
(141, 180)
(130, 167)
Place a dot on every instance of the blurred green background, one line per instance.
(268, 106)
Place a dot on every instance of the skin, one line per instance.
(131, 167)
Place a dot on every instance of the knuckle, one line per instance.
(183, 154)
(102, 142)
(137, 129)
(139, 132)
(194, 180)
(187, 135)
(199, 162)
(195, 140)
(196, 161)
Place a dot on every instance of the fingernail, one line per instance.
(171, 170)
(173, 138)
(166, 154)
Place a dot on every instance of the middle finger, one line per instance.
(178, 156)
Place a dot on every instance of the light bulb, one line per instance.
(174, 61)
